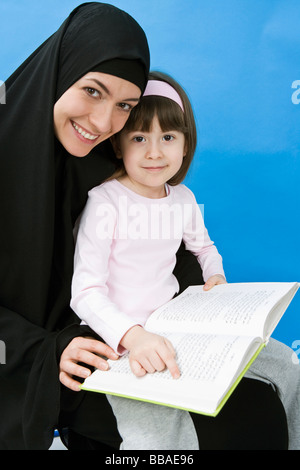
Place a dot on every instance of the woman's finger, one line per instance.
(73, 368)
(85, 357)
(83, 351)
(93, 345)
(69, 382)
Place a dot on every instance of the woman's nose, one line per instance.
(102, 121)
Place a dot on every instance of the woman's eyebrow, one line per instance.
(104, 88)
(100, 84)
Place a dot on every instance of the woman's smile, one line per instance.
(83, 134)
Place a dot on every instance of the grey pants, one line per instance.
(278, 365)
(146, 426)
(154, 427)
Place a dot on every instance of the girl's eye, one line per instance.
(168, 137)
(139, 138)
(92, 92)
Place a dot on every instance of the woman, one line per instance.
(100, 53)
(43, 190)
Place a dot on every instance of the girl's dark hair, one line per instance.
(170, 117)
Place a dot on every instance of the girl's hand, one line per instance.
(214, 281)
(149, 352)
(86, 351)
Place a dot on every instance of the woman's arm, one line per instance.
(71, 346)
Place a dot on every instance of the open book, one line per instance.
(217, 335)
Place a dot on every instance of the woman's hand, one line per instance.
(82, 350)
(149, 352)
(214, 281)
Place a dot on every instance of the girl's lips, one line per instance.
(154, 168)
(84, 135)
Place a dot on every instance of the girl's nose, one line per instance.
(153, 150)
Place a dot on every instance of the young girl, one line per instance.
(129, 234)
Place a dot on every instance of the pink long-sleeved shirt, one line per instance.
(126, 252)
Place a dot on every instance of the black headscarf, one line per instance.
(43, 189)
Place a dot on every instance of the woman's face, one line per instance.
(93, 109)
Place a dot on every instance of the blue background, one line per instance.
(237, 60)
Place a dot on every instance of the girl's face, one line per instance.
(150, 158)
(93, 109)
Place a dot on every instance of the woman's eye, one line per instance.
(92, 92)
(126, 107)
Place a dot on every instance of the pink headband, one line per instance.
(159, 88)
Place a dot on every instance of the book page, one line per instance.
(208, 364)
(234, 308)
(208, 359)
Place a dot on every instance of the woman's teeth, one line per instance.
(83, 133)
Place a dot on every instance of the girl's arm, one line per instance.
(90, 295)
(197, 240)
